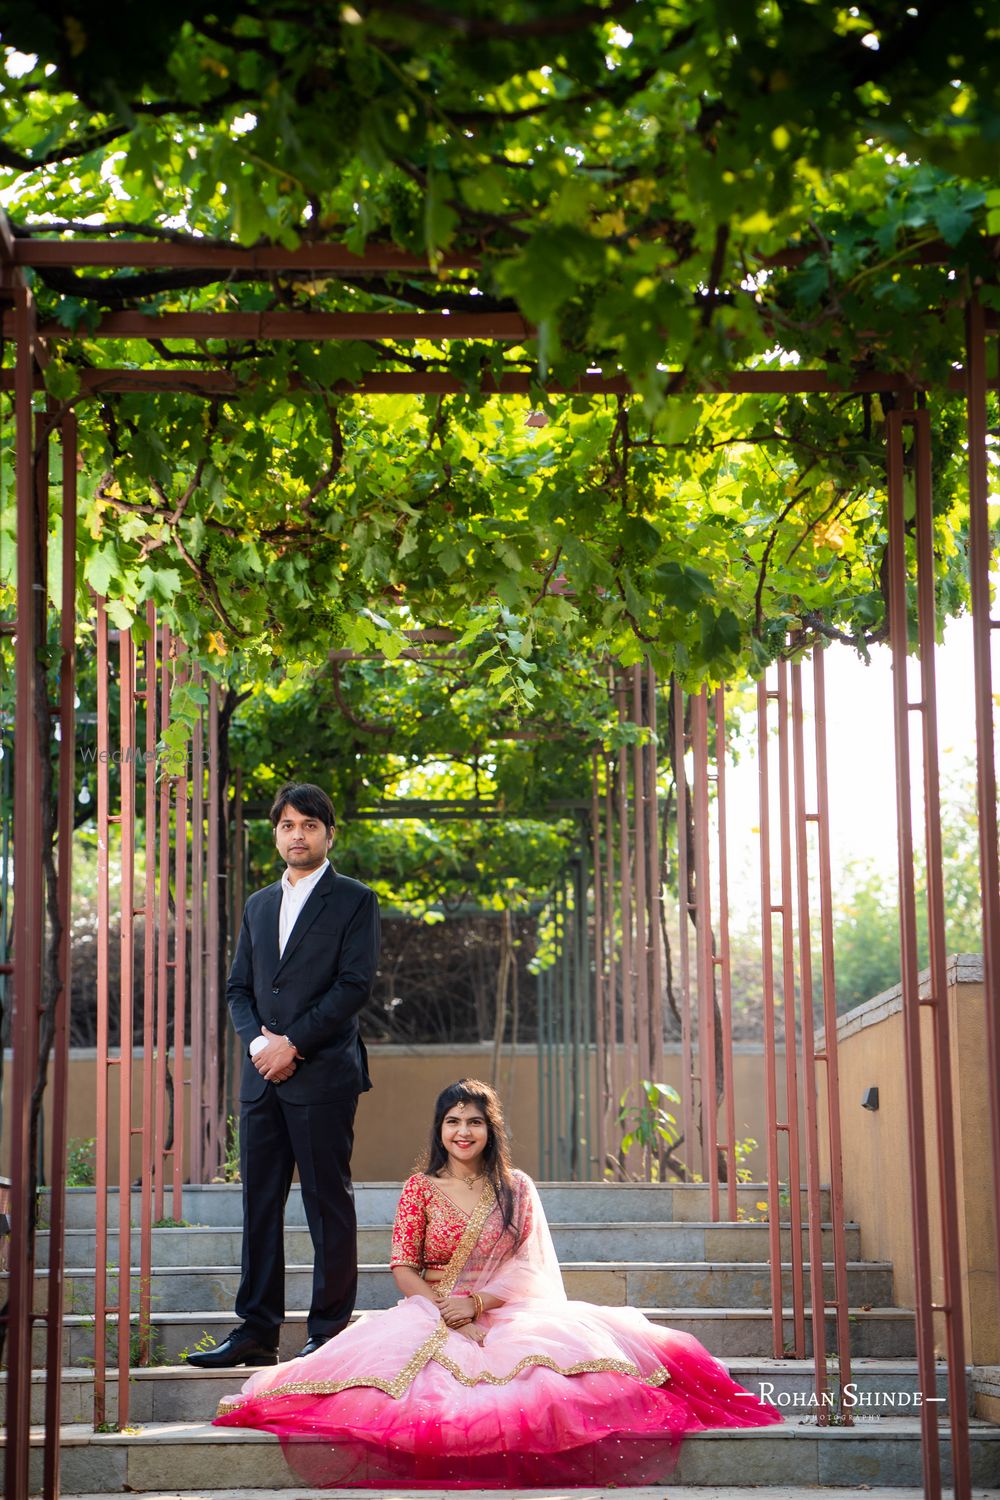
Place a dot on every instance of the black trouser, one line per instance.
(276, 1137)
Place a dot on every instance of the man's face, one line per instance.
(302, 841)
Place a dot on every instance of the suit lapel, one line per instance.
(315, 902)
(267, 927)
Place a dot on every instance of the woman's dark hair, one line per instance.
(307, 799)
(496, 1157)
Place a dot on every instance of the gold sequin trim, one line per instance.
(470, 1237)
(431, 1348)
(394, 1387)
(585, 1367)
(431, 1351)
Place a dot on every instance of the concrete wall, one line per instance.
(876, 1145)
(393, 1119)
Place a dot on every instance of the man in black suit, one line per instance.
(304, 966)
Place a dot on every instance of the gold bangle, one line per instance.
(478, 1301)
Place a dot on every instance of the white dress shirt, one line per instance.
(293, 898)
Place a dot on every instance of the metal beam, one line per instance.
(169, 255)
(309, 326)
(117, 380)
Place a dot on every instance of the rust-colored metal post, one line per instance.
(611, 922)
(180, 973)
(602, 1091)
(42, 710)
(197, 1076)
(790, 1126)
(28, 910)
(899, 641)
(147, 1131)
(829, 1055)
(767, 910)
(127, 740)
(684, 909)
(705, 963)
(643, 944)
(60, 1045)
(215, 1127)
(958, 1414)
(237, 884)
(980, 568)
(813, 1187)
(630, 1072)
(560, 1011)
(655, 882)
(724, 967)
(102, 1126)
(163, 960)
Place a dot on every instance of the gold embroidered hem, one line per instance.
(430, 1351)
(394, 1387)
(544, 1361)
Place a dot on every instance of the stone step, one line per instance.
(642, 1240)
(186, 1456)
(876, 1332)
(180, 1393)
(219, 1204)
(684, 1283)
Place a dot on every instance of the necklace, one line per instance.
(463, 1177)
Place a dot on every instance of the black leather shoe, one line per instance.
(240, 1348)
(310, 1346)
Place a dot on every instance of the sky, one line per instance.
(861, 758)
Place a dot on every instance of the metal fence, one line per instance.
(604, 993)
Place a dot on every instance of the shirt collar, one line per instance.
(300, 890)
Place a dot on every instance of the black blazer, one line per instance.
(313, 992)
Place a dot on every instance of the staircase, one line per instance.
(650, 1247)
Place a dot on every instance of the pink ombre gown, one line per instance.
(545, 1391)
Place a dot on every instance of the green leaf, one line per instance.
(159, 584)
(440, 218)
(682, 587)
(101, 567)
(720, 633)
(61, 381)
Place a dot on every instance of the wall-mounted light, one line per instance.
(869, 1099)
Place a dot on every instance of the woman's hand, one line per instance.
(456, 1311)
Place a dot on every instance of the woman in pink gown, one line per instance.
(485, 1374)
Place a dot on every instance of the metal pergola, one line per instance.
(618, 946)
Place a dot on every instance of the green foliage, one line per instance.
(200, 1346)
(744, 1149)
(231, 1162)
(80, 1163)
(647, 1123)
(631, 178)
(416, 737)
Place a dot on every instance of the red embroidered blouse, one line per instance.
(428, 1226)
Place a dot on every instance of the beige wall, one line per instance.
(876, 1146)
(394, 1118)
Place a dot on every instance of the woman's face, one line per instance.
(464, 1134)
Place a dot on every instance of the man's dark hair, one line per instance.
(307, 799)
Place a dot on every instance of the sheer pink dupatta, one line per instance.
(518, 1264)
